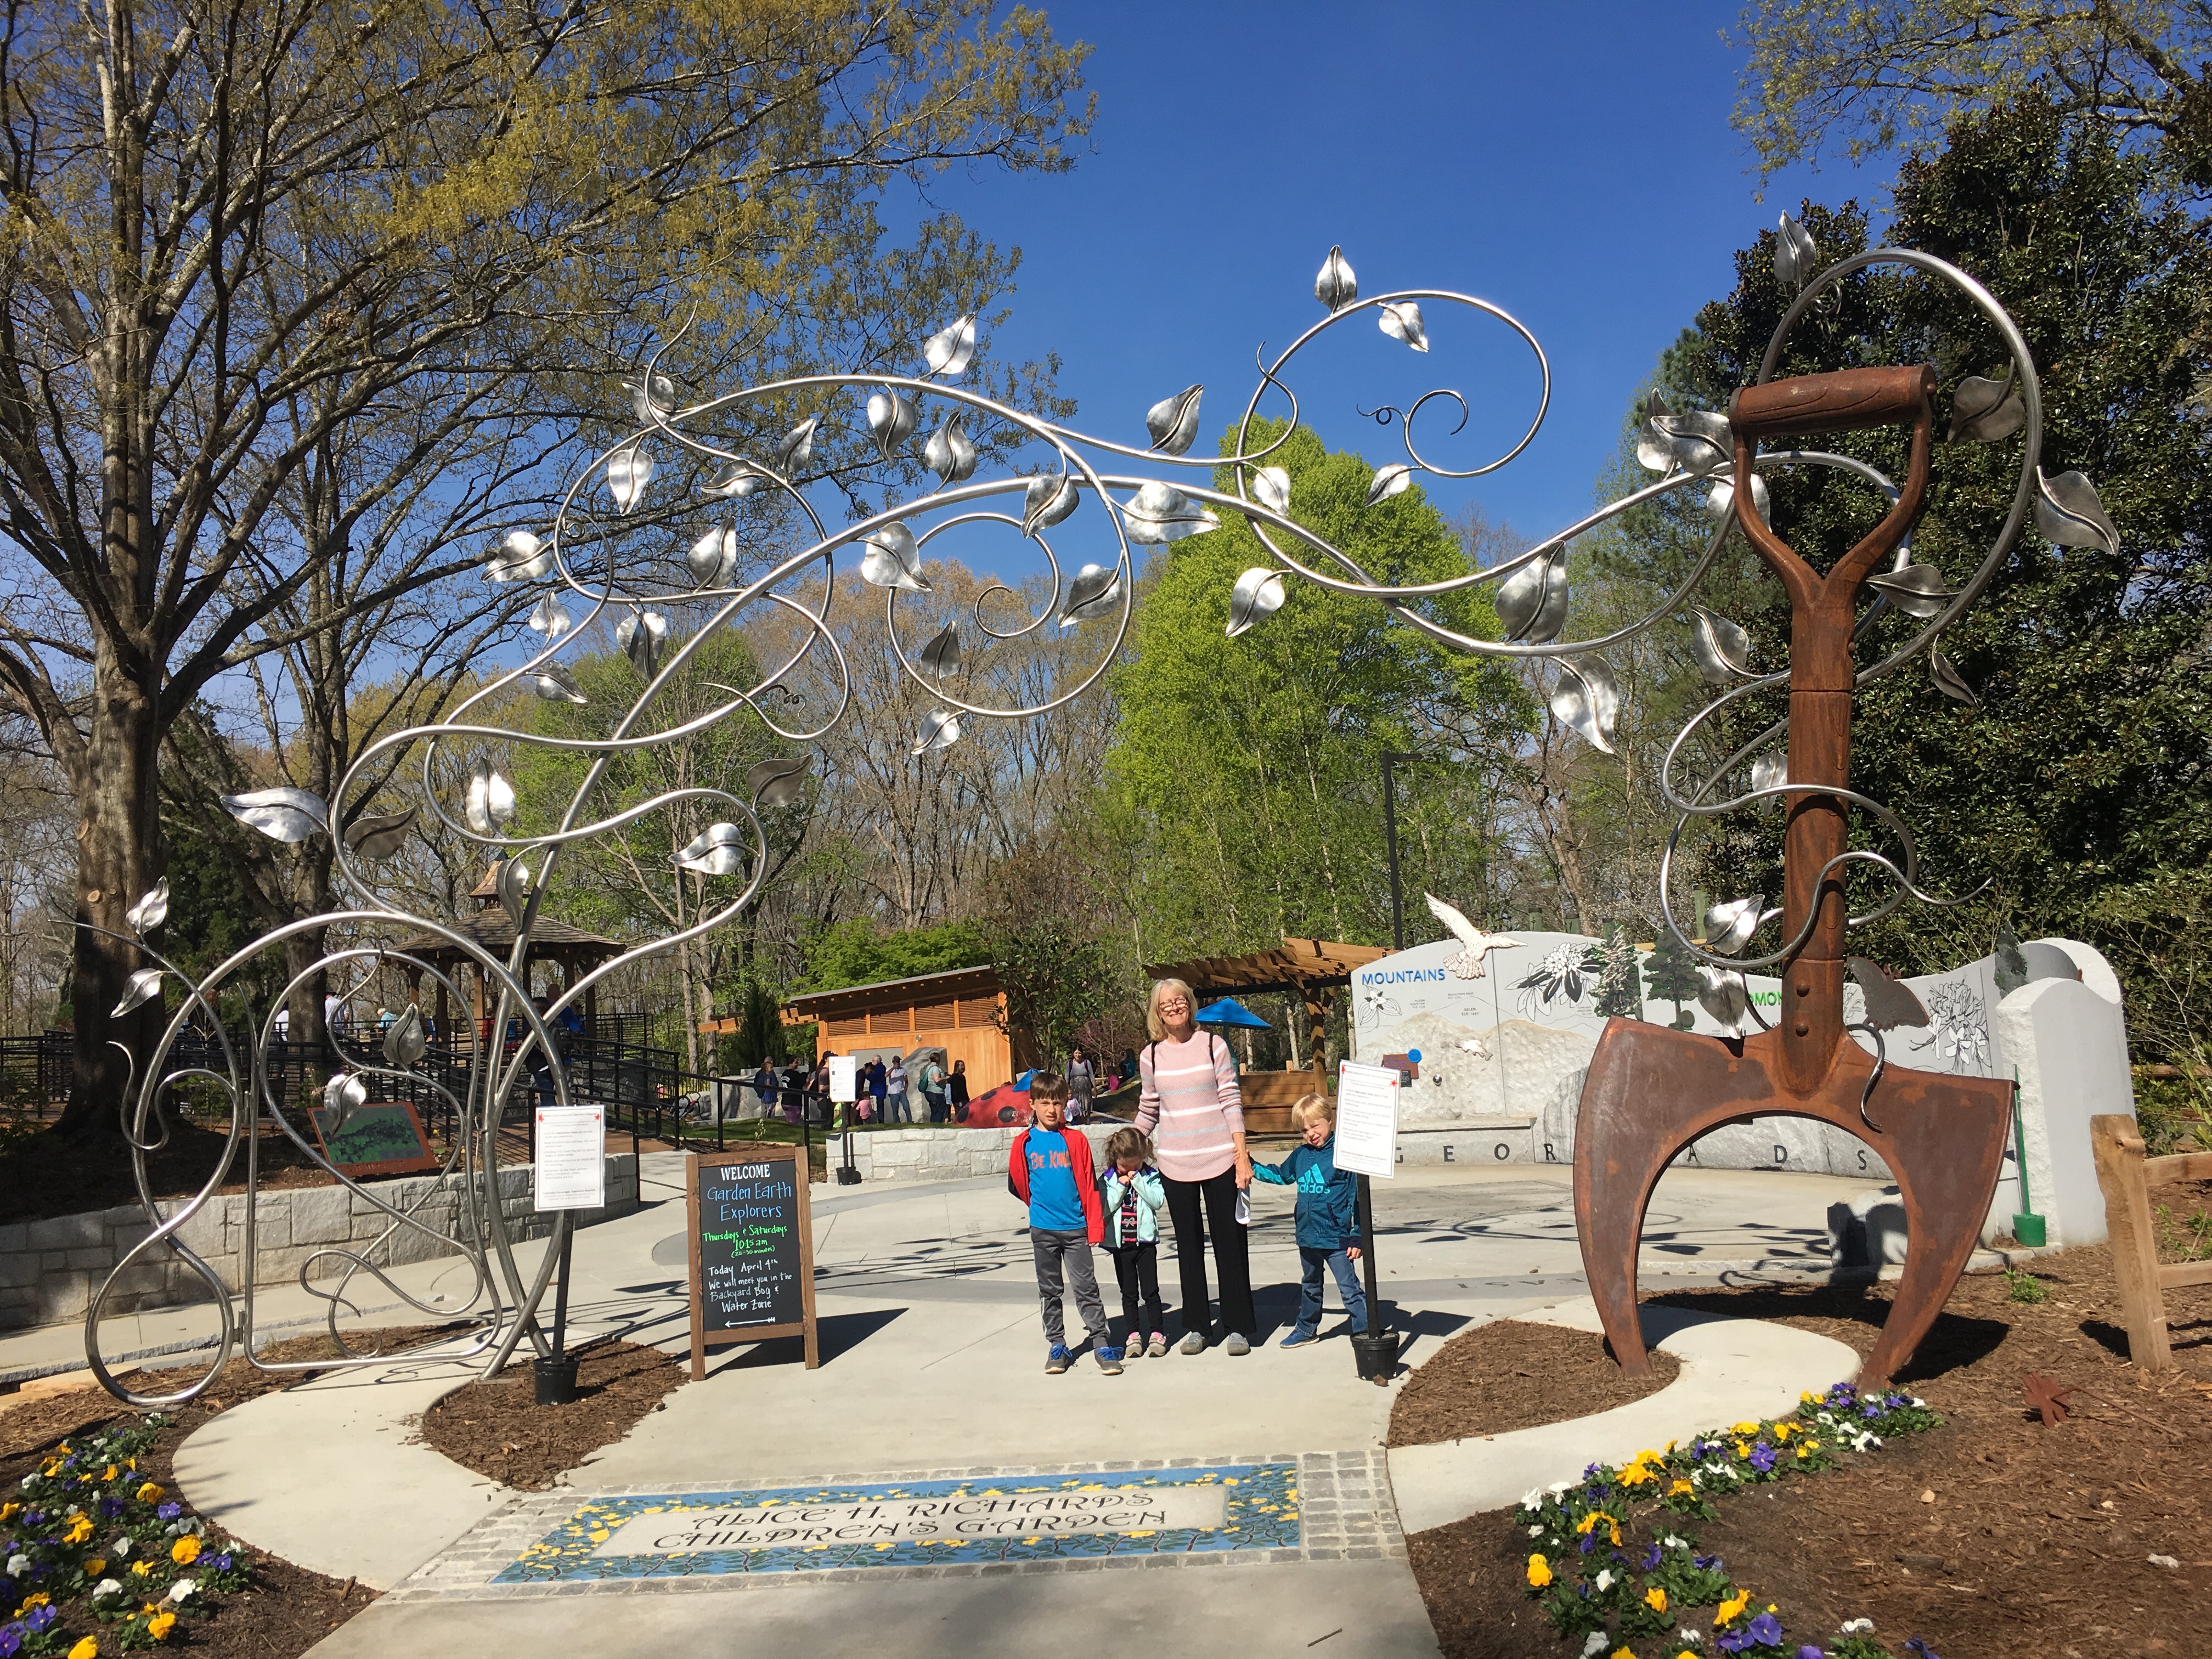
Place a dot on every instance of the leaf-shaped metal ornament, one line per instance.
(1392, 479)
(713, 559)
(1917, 590)
(1093, 594)
(629, 469)
(1173, 422)
(377, 837)
(1257, 596)
(517, 556)
(797, 446)
(341, 1095)
(1587, 699)
(1982, 411)
(950, 452)
(490, 805)
(718, 850)
(511, 881)
(1049, 498)
(1722, 498)
(1724, 649)
(1722, 994)
(1949, 681)
(404, 1040)
(1769, 772)
(1159, 513)
(940, 730)
(651, 399)
(1532, 602)
(891, 421)
(1401, 320)
(948, 350)
(941, 656)
(776, 782)
(285, 814)
(145, 985)
(736, 480)
(151, 910)
(890, 558)
(1336, 286)
(1730, 924)
(2068, 511)
(551, 617)
(1699, 442)
(1653, 450)
(553, 682)
(1271, 487)
(1795, 255)
(1890, 1003)
(641, 634)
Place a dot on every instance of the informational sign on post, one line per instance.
(572, 1158)
(1367, 1119)
(844, 1078)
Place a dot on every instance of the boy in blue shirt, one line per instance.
(1050, 1168)
(1327, 1217)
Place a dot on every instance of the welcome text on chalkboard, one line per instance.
(752, 1250)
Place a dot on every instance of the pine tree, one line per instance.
(1670, 974)
(1617, 995)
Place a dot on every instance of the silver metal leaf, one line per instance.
(517, 556)
(1890, 1003)
(551, 617)
(1730, 924)
(151, 910)
(1768, 772)
(641, 634)
(376, 837)
(949, 452)
(629, 469)
(1587, 699)
(1795, 256)
(510, 883)
(285, 814)
(1048, 501)
(713, 559)
(2068, 511)
(1159, 513)
(719, 849)
(1392, 479)
(553, 682)
(1652, 449)
(404, 1040)
(649, 401)
(1336, 286)
(1722, 498)
(1532, 602)
(1173, 422)
(947, 351)
(1271, 487)
(891, 559)
(891, 421)
(1724, 649)
(490, 805)
(1917, 590)
(736, 480)
(940, 729)
(341, 1095)
(145, 985)
(1401, 320)
(1722, 994)
(1982, 411)
(1700, 442)
(941, 656)
(797, 446)
(1257, 596)
(1093, 594)
(776, 782)
(1949, 681)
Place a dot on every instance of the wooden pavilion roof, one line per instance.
(1298, 966)
(549, 940)
(953, 983)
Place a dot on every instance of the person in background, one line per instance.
(1080, 1080)
(877, 1088)
(932, 1087)
(1128, 1069)
(795, 1094)
(896, 1109)
(334, 1013)
(1049, 1168)
(283, 1024)
(1133, 1199)
(767, 1088)
(817, 1093)
(955, 1091)
(1327, 1217)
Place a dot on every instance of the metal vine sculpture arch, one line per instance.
(1649, 1089)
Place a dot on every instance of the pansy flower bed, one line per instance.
(1613, 1566)
(98, 1558)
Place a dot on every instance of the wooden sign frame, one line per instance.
(421, 1163)
(807, 1328)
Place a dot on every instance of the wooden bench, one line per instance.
(2128, 1179)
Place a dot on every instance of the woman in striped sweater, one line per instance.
(1190, 1106)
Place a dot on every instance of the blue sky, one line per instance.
(1573, 164)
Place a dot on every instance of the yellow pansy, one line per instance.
(185, 1550)
(1681, 1489)
(160, 1625)
(30, 1602)
(150, 1494)
(1784, 1430)
(109, 1473)
(142, 1568)
(87, 1648)
(1656, 1599)
(9, 1512)
(1636, 1475)
(1746, 1428)
(95, 1566)
(1539, 1572)
(1741, 1450)
(79, 1530)
(1729, 1610)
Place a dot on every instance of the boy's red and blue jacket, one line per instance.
(1328, 1198)
(1083, 1169)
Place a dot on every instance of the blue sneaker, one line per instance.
(1110, 1360)
(1299, 1338)
(1057, 1360)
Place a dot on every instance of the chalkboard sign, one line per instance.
(752, 1247)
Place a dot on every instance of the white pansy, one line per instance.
(1605, 1579)
(1536, 1532)
(18, 1565)
(1598, 1641)
(1857, 1627)
(183, 1590)
(106, 1586)
(1561, 1486)
(1674, 1543)
(1533, 1499)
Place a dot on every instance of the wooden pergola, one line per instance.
(1308, 969)
(571, 950)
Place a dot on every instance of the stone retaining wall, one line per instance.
(940, 1154)
(49, 1269)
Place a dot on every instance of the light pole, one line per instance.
(1390, 757)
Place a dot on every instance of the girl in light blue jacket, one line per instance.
(1132, 1196)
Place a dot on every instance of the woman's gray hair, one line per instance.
(1160, 988)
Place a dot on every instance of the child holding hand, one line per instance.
(1133, 1197)
(1049, 1168)
(1327, 1227)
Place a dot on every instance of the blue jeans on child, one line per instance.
(1347, 1284)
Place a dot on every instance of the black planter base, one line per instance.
(555, 1377)
(1377, 1354)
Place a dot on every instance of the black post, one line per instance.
(556, 1372)
(1376, 1353)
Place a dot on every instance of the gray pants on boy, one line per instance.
(1051, 1251)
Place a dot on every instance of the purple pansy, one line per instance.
(39, 1617)
(1808, 1652)
(1652, 1556)
(1762, 1458)
(1920, 1650)
(1589, 1542)
(168, 1512)
(1766, 1629)
(11, 1641)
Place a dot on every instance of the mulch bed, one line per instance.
(1991, 1534)
(1512, 1374)
(498, 1430)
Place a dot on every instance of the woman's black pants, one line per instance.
(1231, 1251)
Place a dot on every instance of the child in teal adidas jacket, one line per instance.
(1327, 1218)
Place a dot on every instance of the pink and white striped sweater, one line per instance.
(1189, 1091)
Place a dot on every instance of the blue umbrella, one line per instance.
(1230, 1011)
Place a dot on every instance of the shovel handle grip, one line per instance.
(1848, 400)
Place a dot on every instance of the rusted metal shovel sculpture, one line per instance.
(1652, 1091)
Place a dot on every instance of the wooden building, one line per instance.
(960, 1011)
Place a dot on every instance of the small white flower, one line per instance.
(121, 1546)
(1918, 1400)
(18, 1565)
(1561, 1486)
(1686, 1634)
(1856, 1627)
(1605, 1579)
(106, 1586)
(1534, 1498)
(183, 1590)
(1674, 1543)
(1598, 1641)
(30, 1481)
(1536, 1532)
(2164, 1561)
